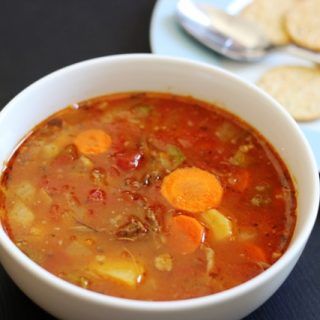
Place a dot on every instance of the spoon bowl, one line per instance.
(231, 35)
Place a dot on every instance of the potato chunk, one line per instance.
(211, 259)
(50, 151)
(21, 214)
(163, 262)
(217, 223)
(25, 191)
(86, 162)
(76, 248)
(122, 270)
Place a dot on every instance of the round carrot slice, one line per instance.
(185, 234)
(93, 141)
(192, 189)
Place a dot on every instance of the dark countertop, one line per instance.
(38, 37)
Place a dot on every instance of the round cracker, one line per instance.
(303, 24)
(269, 15)
(296, 88)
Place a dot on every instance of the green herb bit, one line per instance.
(143, 111)
(259, 200)
(239, 159)
(226, 132)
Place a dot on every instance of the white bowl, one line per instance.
(161, 74)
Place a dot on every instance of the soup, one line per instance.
(148, 196)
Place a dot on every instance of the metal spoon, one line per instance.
(231, 35)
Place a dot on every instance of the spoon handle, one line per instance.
(302, 53)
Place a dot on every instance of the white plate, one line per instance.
(168, 38)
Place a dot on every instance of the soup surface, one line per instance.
(148, 196)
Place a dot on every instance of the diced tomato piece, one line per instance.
(239, 180)
(55, 212)
(67, 155)
(205, 145)
(129, 161)
(48, 185)
(114, 172)
(97, 195)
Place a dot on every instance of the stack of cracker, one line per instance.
(297, 88)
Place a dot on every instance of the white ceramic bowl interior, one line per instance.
(161, 74)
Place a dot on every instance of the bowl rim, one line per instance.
(293, 251)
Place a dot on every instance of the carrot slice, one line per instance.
(192, 189)
(93, 141)
(185, 234)
(255, 253)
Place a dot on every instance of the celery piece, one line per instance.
(176, 155)
(172, 158)
(217, 223)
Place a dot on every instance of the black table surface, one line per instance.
(38, 37)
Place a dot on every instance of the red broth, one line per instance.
(148, 196)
